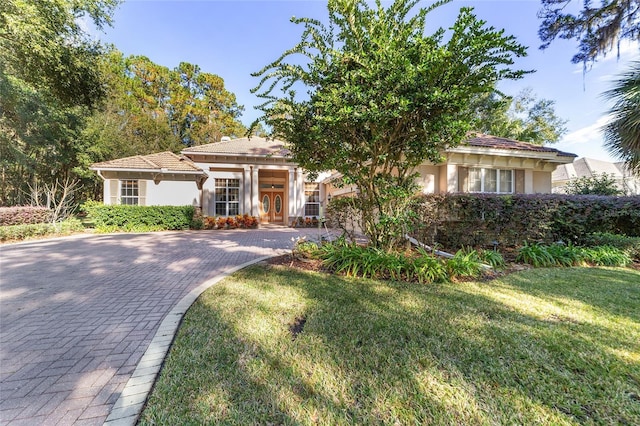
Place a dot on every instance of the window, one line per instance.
(490, 180)
(227, 197)
(129, 192)
(278, 204)
(312, 199)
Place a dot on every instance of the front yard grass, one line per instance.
(271, 345)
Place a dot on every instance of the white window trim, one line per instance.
(226, 203)
(120, 196)
(482, 180)
(307, 202)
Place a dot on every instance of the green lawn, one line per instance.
(544, 346)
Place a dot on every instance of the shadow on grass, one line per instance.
(384, 353)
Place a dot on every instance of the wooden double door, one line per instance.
(272, 206)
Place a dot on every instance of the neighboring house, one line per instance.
(626, 182)
(256, 176)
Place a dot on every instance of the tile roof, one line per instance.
(588, 167)
(488, 141)
(162, 161)
(254, 146)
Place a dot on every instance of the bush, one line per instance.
(24, 215)
(492, 258)
(22, 232)
(370, 262)
(343, 213)
(477, 220)
(606, 256)
(539, 255)
(465, 263)
(110, 218)
(598, 184)
(239, 221)
(630, 245)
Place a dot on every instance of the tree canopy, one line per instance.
(523, 117)
(381, 96)
(49, 78)
(151, 108)
(43, 43)
(598, 29)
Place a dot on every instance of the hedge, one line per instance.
(110, 218)
(21, 232)
(456, 220)
(24, 215)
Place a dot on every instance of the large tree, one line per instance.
(44, 44)
(38, 141)
(622, 133)
(522, 117)
(598, 28)
(381, 97)
(49, 79)
(150, 108)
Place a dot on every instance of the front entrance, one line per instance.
(272, 207)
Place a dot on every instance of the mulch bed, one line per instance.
(294, 262)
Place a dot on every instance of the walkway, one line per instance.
(77, 314)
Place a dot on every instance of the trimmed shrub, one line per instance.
(24, 215)
(479, 220)
(22, 232)
(111, 218)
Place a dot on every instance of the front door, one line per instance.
(272, 206)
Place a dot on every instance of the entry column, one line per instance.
(246, 191)
(291, 196)
(255, 191)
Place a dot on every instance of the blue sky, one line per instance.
(235, 38)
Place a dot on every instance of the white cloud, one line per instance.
(586, 135)
(587, 142)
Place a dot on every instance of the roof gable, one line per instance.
(253, 146)
(488, 141)
(162, 161)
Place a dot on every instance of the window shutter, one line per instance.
(113, 192)
(519, 176)
(142, 192)
(463, 178)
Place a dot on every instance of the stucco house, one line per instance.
(626, 182)
(256, 176)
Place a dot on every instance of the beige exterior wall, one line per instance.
(535, 172)
(429, 178)
(541, 182)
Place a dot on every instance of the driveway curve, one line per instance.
(77, 314)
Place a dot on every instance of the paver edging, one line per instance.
(129, 405)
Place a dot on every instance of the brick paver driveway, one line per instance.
(76, 315)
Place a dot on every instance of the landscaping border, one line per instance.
(132, 400)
